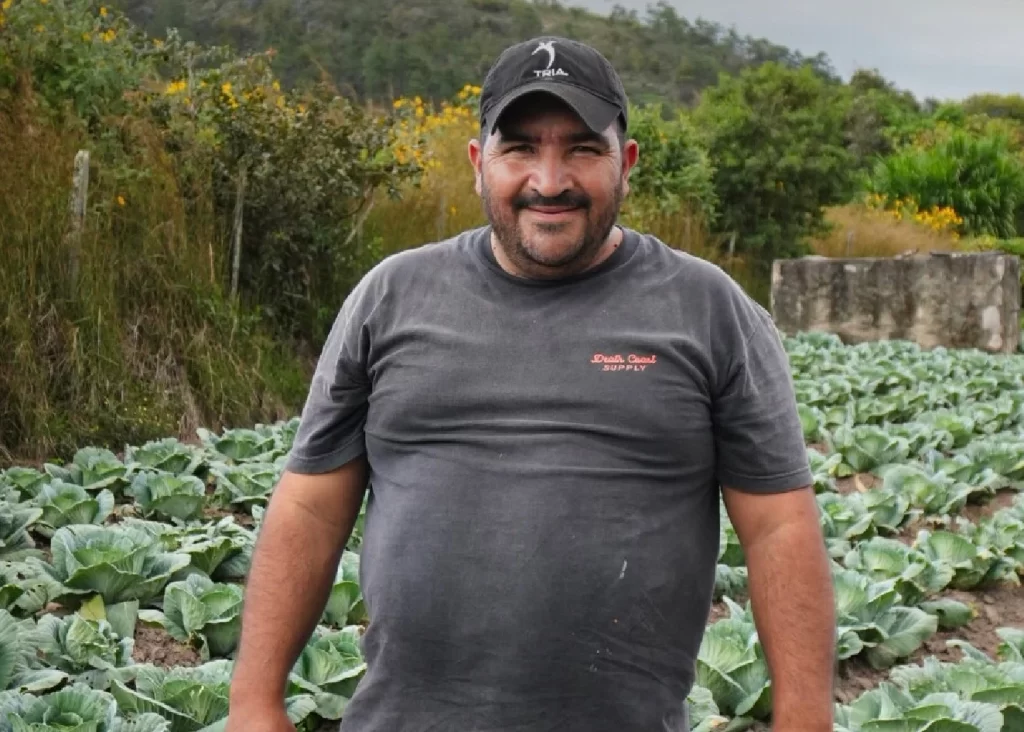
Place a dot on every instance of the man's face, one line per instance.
(551, 187)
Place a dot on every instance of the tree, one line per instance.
(876, 108)
(775, 138)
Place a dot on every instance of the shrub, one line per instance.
(978, 177)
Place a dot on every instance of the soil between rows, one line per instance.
(156, 646)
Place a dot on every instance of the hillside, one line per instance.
(389, 48)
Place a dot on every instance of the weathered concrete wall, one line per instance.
(957, 300)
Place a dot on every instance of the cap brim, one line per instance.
(595, 112)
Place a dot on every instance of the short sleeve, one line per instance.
(759, 440)
(333, 418)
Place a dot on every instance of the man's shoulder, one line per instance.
(694, 277)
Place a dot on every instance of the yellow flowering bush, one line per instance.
(420, 127)
(309, 164)
(82, 55)
(940, 219)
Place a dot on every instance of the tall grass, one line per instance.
(141, 343)
(858, 231)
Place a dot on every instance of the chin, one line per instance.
(554, 256)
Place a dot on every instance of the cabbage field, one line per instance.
(121, 575)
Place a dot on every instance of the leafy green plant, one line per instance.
(914, 576)
(86, 650)
(732, 666)
(15, 520)
(26, 481)
(93, 468)
(871, 620)
(201, 612)
(75, 708)
(866, 447)
(329, 668)
(169, 496)
(973, 566)
(21, 669)
(64, 504)
(345, 603)
(117, 563)
(166, 455)
(26, 587)
(244, 485)
(189, 698)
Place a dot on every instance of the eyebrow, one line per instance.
(512, 135)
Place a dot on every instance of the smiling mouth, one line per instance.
(551, 210)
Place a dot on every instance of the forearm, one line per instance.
(794, 610)
(293, 569)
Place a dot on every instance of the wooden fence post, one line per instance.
(236, 234)
(79, 197)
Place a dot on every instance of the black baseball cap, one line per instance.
(574, 72)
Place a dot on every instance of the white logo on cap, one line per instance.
(548, 46)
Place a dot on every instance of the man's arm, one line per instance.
(304, 532)
(793, 601)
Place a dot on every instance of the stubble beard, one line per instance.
(530, 260)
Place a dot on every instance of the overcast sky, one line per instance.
(947, 49)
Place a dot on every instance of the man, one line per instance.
(547, 410)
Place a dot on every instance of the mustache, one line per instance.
(563, 200)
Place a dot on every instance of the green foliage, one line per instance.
(775, 136)
(82, 60)
(979, 177)
(391, 46)
(308, 165)
(674, 171)
(875, 107)
(997, 106)
(130, 331)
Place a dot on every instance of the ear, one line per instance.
(476, 154)
(630, 154)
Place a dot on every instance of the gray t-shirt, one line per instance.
(543, 524)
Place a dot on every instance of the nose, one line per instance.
(549, 176)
